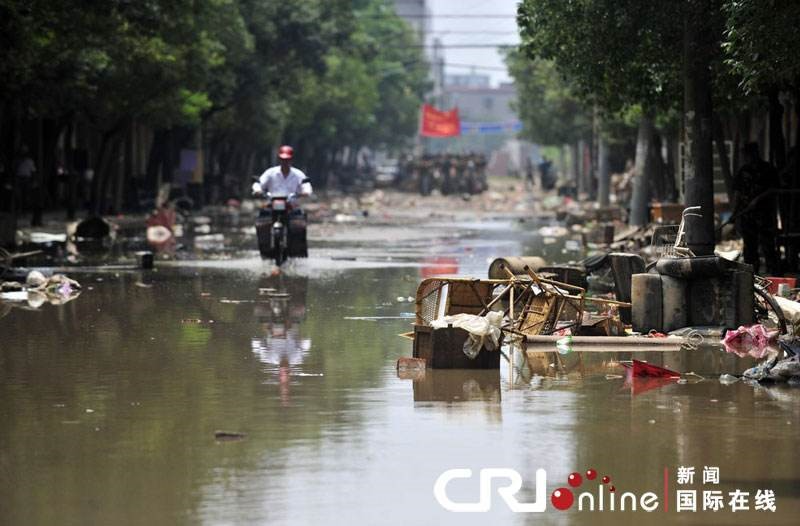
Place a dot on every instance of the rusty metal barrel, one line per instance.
(515, 264)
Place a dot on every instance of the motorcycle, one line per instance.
(281, 229)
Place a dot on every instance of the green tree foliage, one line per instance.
(371, 88)
(249, 73)
(617, 53)
(761, 43)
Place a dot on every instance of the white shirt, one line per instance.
(273, 181)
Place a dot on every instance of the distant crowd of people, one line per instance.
(448, 173)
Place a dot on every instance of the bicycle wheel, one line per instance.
(767, 310)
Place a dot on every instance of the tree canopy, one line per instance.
(250, 73)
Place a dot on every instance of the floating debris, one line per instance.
(228, 436)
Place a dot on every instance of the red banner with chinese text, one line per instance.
(436, 123)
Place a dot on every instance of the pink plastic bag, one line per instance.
(751, 340)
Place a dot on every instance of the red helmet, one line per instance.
(285, 152)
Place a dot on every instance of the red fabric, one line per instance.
(436, 123)
(639, 368)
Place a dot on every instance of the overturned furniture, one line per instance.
(437, 298)
(517, 307)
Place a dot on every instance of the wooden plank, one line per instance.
(607, 344)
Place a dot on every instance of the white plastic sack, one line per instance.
(791, 309)
(484, 331)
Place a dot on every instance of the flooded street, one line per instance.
(111, 405)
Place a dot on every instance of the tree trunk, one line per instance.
(657, 170)
(8, 130)
(69, 167)
(671, 189)
(126, 174)
(155, 160)
(698, 112)
(722, 153)
(640, 199)
(603, 172)
(575, 161)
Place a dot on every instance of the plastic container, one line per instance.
(774, 282)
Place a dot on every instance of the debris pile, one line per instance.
(39, 289)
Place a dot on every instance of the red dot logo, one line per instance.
(562, 499)
(575, 479)
(591, 474)
(612, 489)
(606, 479)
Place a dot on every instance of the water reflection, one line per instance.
(280, 344)
(353, 443)
(458, 385)
(709, 361)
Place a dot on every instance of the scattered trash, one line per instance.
(159, 236)
(785, 369)
(92, 228)
(727, 379)
(209, 241)
(35, 279)
(553, 231)
(145, 259)
(791, 309)
(751, 340)
(761, 371)
(39, 289)
(639, 368)
(410, 363)
(45, 238)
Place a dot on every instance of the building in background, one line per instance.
(492, 123)
(467, 80)
(478, 102)
(489, 123)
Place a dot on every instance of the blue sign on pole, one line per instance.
(490, 128)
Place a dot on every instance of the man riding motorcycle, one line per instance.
(283, 179)
(286, 181)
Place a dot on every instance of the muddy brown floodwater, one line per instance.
(109, 405)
